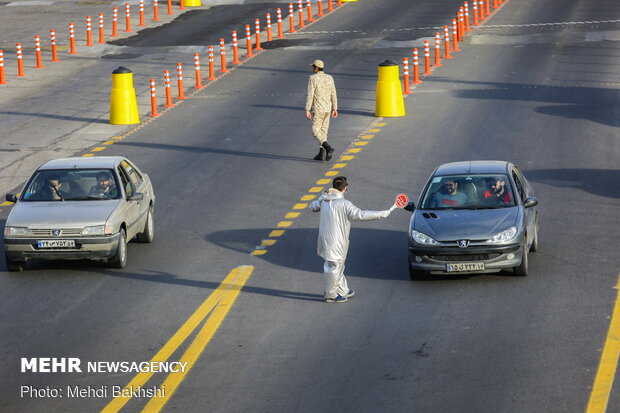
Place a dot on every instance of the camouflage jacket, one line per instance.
(321, 93)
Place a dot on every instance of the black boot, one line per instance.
(319, 156)
(329, 151)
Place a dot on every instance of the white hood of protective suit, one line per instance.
(336, 216)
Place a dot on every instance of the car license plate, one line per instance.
(56, 243)
(465, 266)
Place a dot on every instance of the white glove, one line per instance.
(385, 214)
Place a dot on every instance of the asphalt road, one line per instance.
(231, 162)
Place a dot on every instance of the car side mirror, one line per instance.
(530, 202)
(137, 196)
(410, 206)
(11, 197)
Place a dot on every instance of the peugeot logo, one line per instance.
(463, 243)
(56, 232)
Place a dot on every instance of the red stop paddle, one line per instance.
(401, 200)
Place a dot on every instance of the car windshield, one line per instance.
(72, 185)
(471, 191)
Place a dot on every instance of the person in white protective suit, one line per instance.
(333, 243)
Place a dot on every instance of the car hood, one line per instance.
(451, 225)
(61, 214)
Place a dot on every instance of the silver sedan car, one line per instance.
(80, 208)
(473, 217)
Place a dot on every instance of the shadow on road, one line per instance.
(601, 182)
(60, 117)
(169, 147)
(167, 278)
(590, 103)
(302, 109)
(373, 253)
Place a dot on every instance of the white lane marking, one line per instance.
(30, 3)
(490, 26)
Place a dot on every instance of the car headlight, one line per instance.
(423, 239)
(97, 230)
(503, 236)
(16, 231)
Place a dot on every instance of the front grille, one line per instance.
(69, 232)
(473, 257)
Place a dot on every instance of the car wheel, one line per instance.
(12, 265)
(522, 269)
(534, 246)
(417, 275)
(119, 260)
(147, 235)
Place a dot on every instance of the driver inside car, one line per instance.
(50, 190)
(498, 190)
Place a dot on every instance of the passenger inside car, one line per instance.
(105, 187)
(448, 195)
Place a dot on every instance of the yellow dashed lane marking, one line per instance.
(291, 215)
(308, 197)
(315, 189)
(284, 224)
(89, 154)
(368, 136)
(117, 137)
(276, 233)
(323, 181)
(108, 143)
(259, 252)
(354, 150)
(6, 203)
(267, 242)
(361, 143)
(347, 157)
(98, 148)
(374, 130)
(301, 205)
(381, 124)
(332, 173)
(339, 165)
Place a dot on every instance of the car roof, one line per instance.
(472, 167)
(93, 162)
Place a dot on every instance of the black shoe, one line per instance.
(329, 151)
(319, 156)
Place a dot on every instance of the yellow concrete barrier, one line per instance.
(123, 103)
(389, 102)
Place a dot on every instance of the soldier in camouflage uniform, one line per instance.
(323, 102)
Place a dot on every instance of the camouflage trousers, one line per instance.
(320, 125)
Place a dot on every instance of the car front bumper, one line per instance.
(495, 258)
(93, 248)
